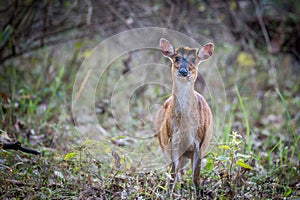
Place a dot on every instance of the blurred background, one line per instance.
(43, 43)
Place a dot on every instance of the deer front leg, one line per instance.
(178, 161)
(196, 164)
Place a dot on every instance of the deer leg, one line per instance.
(196, 164)
(177, 165)
(175, 173)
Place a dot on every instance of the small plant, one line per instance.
(235, 161)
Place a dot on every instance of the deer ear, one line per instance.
(166, 48)
(206, 51)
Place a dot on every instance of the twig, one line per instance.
(16, 182)
(17, 146)
(78, 94)
(170, 17)
(261, 23)
(119, 15)
(90, 12)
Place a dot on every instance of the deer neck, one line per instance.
(184, 100)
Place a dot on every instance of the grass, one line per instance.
(249, 146)
(290, 126)
(255, 160)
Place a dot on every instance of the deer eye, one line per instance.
(176, 58)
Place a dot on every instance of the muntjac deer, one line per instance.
(184, 123)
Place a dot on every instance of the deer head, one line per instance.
(185, 60)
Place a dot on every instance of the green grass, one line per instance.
(290, 127)
(249, 142)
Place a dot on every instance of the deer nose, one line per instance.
(183, 71)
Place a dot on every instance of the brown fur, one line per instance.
(184, 123)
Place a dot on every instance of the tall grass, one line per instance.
(56, 85)
(290, 127)
(249, 142)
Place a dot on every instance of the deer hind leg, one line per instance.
(196, 164)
